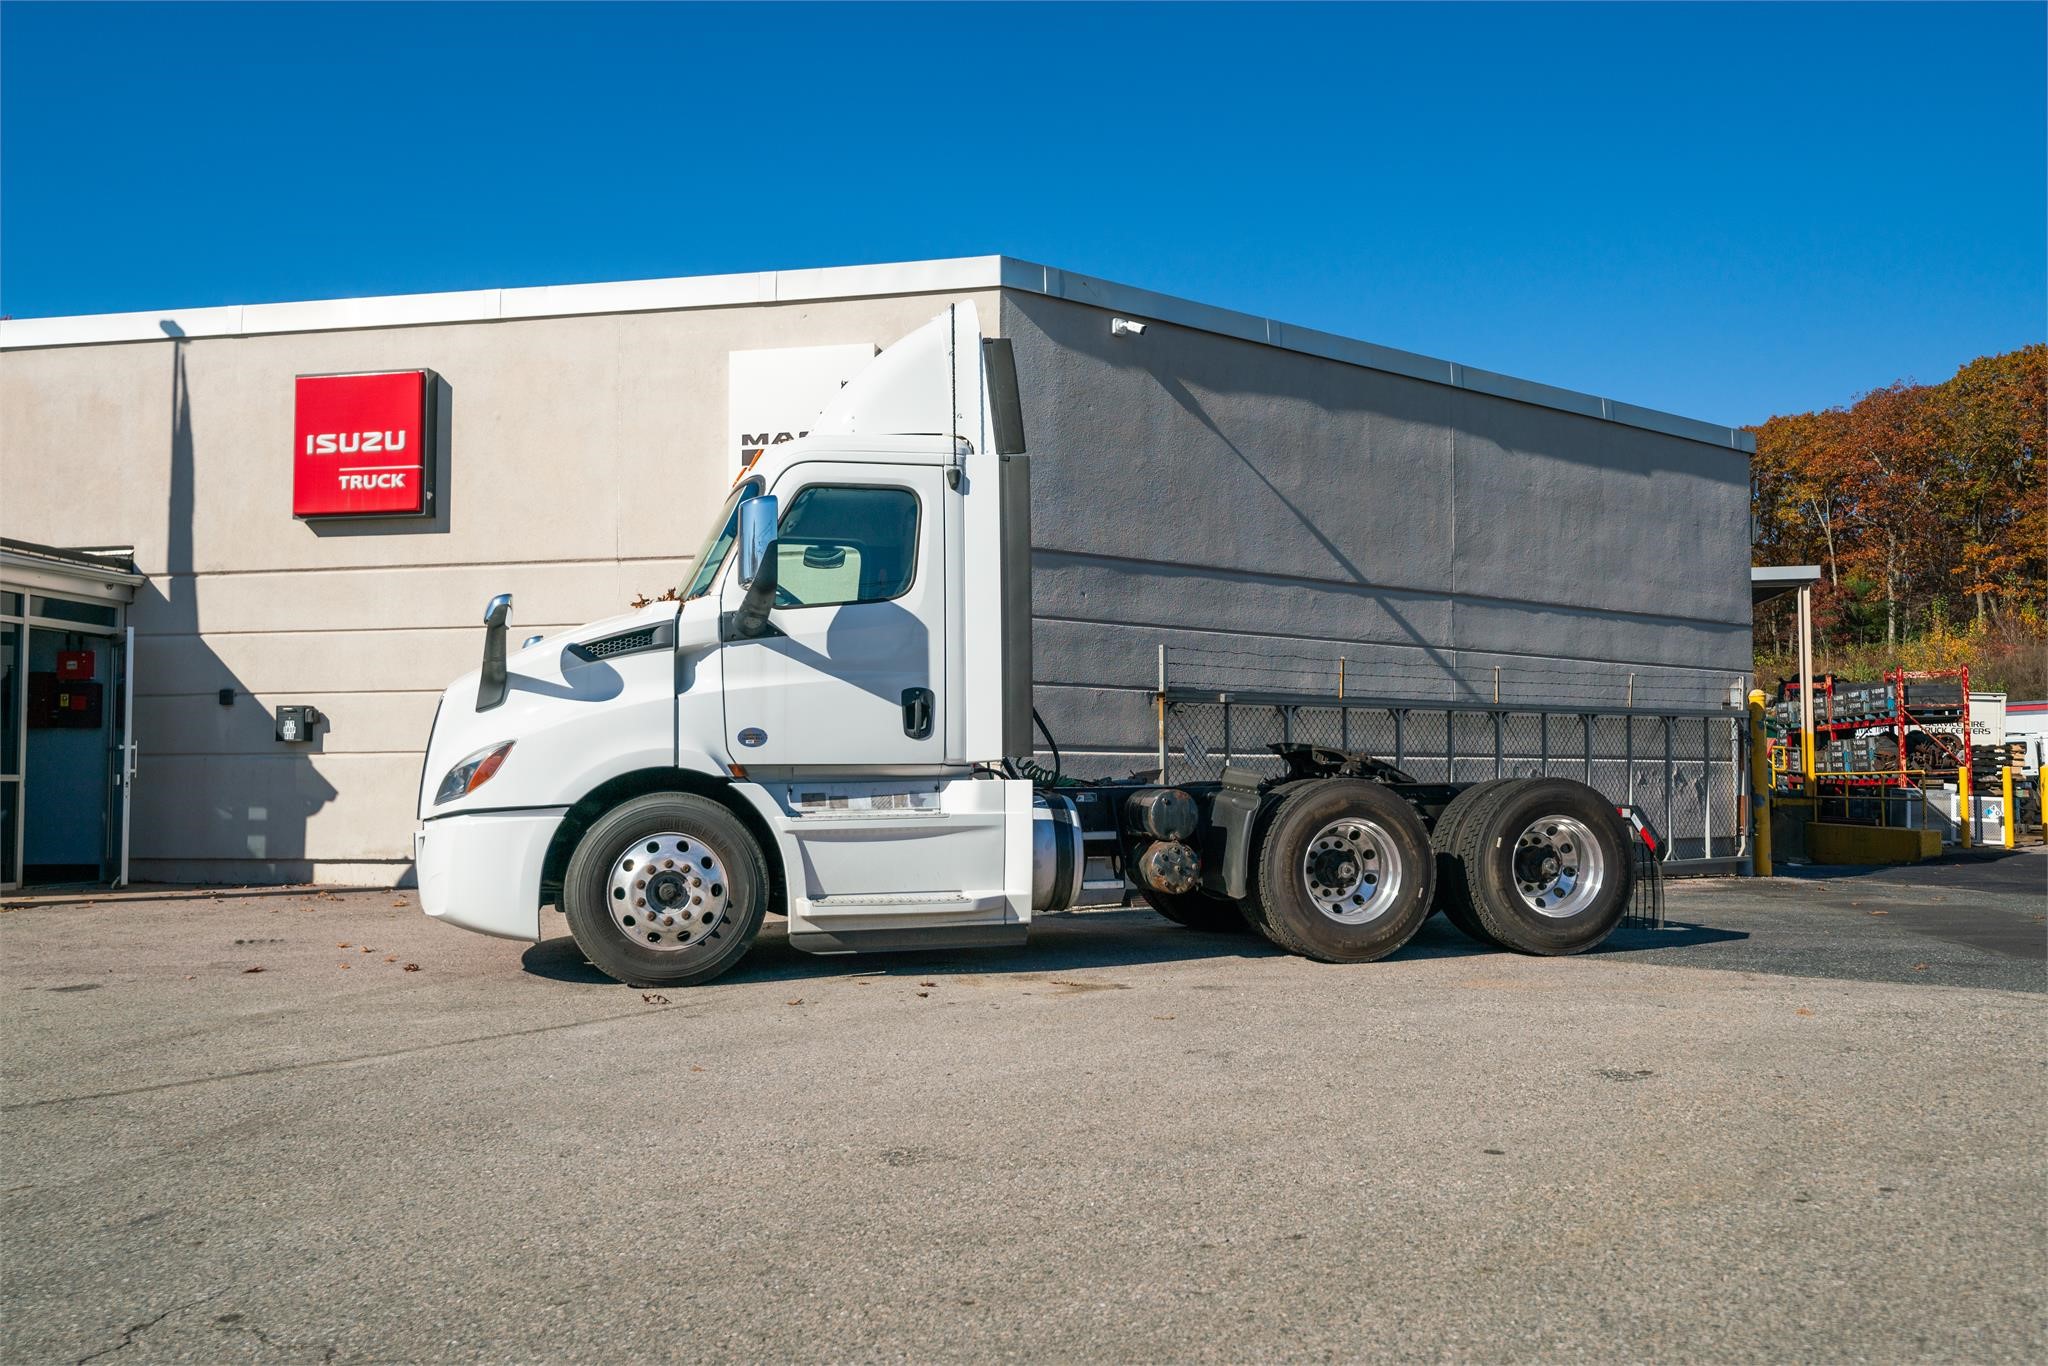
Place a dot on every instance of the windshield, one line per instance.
(718, 540)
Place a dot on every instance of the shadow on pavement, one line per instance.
(1070, 943)
(1989, 870)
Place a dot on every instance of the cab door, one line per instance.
(852, 673)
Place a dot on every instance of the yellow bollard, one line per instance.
(1760, 783)
(2005, 782)
(1965, 838)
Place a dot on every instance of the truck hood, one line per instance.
(576, 682)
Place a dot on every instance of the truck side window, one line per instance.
(846, 543)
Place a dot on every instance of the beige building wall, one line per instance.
(584, 456)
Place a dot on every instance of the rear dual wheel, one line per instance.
(1344, 873)
(1537, 865)
(1197, 911)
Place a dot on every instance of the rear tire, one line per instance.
(666, 890)
(1344, 873)
(1549, 864)
(1453, 893)
(1198, 911)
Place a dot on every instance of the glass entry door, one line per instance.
(12, 683)
(73, 736)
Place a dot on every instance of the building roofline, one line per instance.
(831, 282)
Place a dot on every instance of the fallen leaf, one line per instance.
(368, 949)
(695, 1068)
(342, 945)
(342, 966)
(1919, 967)
(412, 967)
(927, 984)
(1162, 1017)
(398, 903)
(1802, 1011)
(391, 958)
(654, 998)
(797, 1002)
(1877, 912)
(254, 969)
(922, 994)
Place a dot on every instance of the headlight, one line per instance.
(472, 773)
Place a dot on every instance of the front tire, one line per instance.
(666, 890)
(1345, 873)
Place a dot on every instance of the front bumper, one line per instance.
(482, 871)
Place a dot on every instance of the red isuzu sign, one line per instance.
(362, 445)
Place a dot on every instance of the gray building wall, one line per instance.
(1261, 512)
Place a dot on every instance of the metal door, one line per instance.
(852, 676)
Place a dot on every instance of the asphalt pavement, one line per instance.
(1802, 1122)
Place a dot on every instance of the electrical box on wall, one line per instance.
(58, 702)
(295, 723)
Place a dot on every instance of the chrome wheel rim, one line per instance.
(669, 892)
(1352, 870)
(1559, 867)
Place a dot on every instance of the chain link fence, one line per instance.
(1683, 768)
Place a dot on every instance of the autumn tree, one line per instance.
(1915, 499)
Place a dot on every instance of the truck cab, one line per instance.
(831, 719)
(818, 723)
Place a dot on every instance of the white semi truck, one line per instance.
(833, 724)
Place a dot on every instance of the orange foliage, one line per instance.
(1923, 505)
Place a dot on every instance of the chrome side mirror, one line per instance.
(758, 519)
(758, 567)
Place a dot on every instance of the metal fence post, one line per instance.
(1628, 753)
(1668, 765)
(1759, 784)
(1499, 740)
(1162, 714)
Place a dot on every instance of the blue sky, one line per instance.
(1726, 211)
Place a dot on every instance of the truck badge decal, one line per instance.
(753, 737)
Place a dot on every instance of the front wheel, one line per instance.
(1344, 874)
(666, 890)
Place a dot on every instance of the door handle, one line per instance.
(917, 713)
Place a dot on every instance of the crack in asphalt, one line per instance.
(318, 1063)
(128, 1335)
